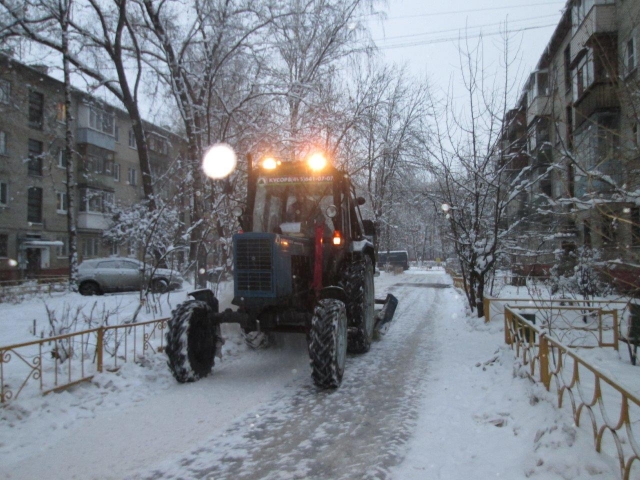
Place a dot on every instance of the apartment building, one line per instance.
(576, 128)
(33, 198)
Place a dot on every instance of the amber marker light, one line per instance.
(337, 239)
(269, 163)
(317, 162)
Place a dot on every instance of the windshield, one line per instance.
(292, 204)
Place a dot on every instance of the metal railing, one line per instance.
(458, 281)
(13, 290)
(611, 408)
(56, 363)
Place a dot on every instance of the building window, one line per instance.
(131, 249)
(158, 144)
(635, 226)
(630, 55)
(584, 75)
(96, 201)
(61, 112)
(114, 249)
(62, 250)
(569, 132)
(98, 164)
(62, 202)
(4, 194)
(101, 121)
(567, 69)
(117, 133)
(35, 157)
(132, 139)
(36, 109)
(108, 200)
(5, 91)
(90, 247)
(133, 177)
(4, 245)
(116, 172)
(34, 205)
(3, 143)
(61, 158)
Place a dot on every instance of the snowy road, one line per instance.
(358, 431)
(257, 416)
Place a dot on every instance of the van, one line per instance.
(395, 258)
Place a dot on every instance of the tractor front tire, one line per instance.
(191, 341)
(357, 282)
(328, 343)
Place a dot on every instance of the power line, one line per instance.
(449, 39)
(466, 27)
(472, 10)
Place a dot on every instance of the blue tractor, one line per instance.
(304, 262)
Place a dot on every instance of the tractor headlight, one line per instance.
(331, 211)
(237, 211)
(270, 163)
(219, 161)
(317, 162)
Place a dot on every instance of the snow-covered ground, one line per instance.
(439, 397)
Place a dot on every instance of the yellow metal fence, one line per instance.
(55, 363)
(612, 410)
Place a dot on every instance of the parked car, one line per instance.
(116, 274)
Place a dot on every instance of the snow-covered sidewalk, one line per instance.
(481, 419)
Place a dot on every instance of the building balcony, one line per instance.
(93, 220)
(600, 19)
(94, 180)
(598, 97)
(98, 139)
(540, 106)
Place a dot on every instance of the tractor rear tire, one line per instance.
(191, 341)
(358, 284)
(328, 343)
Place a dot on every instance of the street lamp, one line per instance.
(446, 208)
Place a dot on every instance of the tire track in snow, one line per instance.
(360, 430)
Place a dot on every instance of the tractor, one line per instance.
(303, 262)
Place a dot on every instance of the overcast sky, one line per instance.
(423, 34)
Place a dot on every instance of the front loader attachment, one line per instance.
(385, 315)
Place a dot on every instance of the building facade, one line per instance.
(577, 132)
(33, 194)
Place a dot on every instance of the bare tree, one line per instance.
(474, 187)
(100, 37)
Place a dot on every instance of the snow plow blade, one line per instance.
(385, 315)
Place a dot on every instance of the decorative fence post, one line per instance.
(508, 318)
(545, 376)
(616, 333)
(487, 309)
(99, 348)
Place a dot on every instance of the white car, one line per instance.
(117, 274)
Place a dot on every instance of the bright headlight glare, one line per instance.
(317, 161)
(219, 161)
(269, 163)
